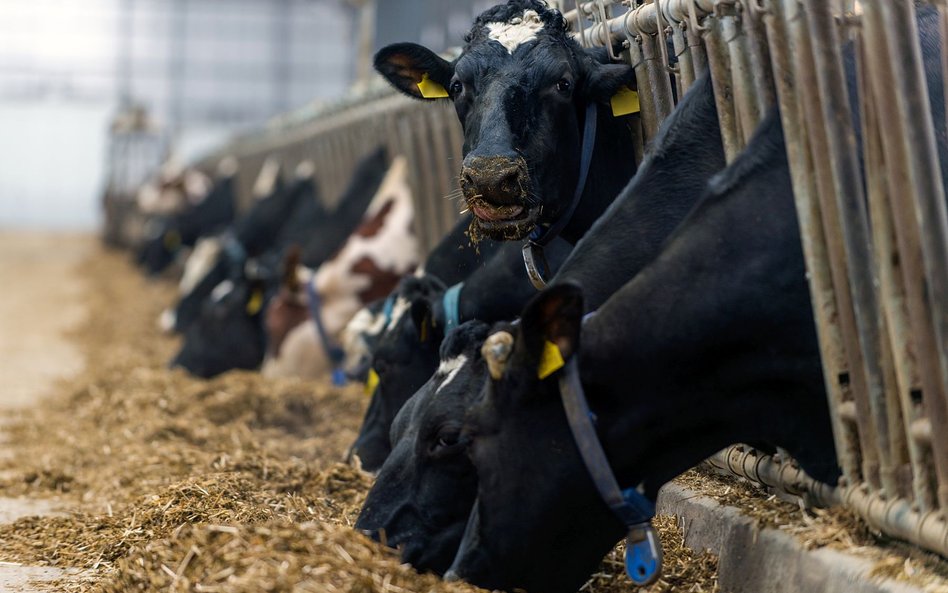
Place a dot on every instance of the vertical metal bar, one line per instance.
(721, 80)
(892, 291)
(686, 65)
(745, 106)
(923, 236)
(648, 109)
(659, 81)
(850, 202)
(758, 57)
(852, 380)
(815, 248)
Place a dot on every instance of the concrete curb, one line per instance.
(756, 560)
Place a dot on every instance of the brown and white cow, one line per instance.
(381, 250)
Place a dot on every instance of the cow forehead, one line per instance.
(516, 31)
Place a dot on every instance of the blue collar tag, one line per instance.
(387, 307)
(452, 310)
(643, 555)
(338, 377)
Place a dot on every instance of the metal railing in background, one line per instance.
(871, 211)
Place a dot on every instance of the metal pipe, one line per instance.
(894, 516)
(890, 260)
(849, 200)
(648, 111)
(659, 84)
(644, 20)
(686, 66)
(924, 235)
(721, 80)
(815, 249)
(745, 107)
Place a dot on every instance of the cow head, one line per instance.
(520, 88)
(361, 336)
(424, 491)
(288, 308)
(536, 506)
(162, 244)
(405, 357)
(229, 332)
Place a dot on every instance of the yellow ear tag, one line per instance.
(551, 360)
(424, 330)
(430, 89)
(255, 303)
(624, 102)
(372, 382)
(172, 240)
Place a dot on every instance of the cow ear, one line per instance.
(415, 70)
(422, 317)
(604, 81)
(551, 324)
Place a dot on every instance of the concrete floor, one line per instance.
(40, 299)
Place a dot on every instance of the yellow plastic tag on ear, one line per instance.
(430, 89)
(255, 303)
(624, 102)
(172, 240)
(372, 382)
(551, 360)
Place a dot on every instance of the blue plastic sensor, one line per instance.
(338, 377)
(643, 555)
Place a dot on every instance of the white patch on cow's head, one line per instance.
(222, 290)
(228, 166)
(305, 169)
(365, 323)
(267, 178)
(202, 259)
(398, 311)
(449, 370)
(517, 31)
(420, 272)
(167, 320)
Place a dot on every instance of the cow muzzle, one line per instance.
(496, 189)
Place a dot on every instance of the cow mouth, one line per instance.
(503, 222)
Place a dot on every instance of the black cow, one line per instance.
(408, 498)
(169, 234)
(522, 89)
(407, 352)
(228, 334)
(622, 242)
(721, 317)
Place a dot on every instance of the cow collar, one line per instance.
(643, 553)
(452, 309)
(236, 254)
(333, 351)
(533, 257)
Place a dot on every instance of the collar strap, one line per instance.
(533, 258)
(333, 351)
(643, 551)
(452, 307)
(387, 307)
(235, 253)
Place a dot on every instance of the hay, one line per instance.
(235, 484)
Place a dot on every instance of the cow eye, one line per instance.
(448, 438)
(564, 86)
(456, 88)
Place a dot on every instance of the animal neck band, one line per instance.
(533, 257)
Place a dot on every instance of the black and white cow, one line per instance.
(167, 235)
(452, 260)
(259, 230)
(523, 89)
(407, 352)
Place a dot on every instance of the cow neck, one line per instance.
(538, 269)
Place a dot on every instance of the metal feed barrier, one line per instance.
(875, 238)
